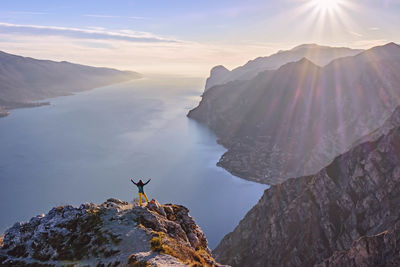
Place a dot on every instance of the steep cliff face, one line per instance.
(304, 221)
(376, 250)
(320, 55)
(295, 120)
(114, 233)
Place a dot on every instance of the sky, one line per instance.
(188, 37)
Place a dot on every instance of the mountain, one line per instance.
(376, 250)
(24, 80)
(347, 214)
(320, 55)
(294, 120)
(114, 233)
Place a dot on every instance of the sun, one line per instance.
(326, 5)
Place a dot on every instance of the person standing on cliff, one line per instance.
(141, 193)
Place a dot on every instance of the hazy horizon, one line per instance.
(184, 74)
(188, 38)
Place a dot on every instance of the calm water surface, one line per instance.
(84, 148)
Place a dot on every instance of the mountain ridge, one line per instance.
(25, 80)
(320, 55)
(294, 120)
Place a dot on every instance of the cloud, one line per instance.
(97, 34)
(100, 16)
(374, 29)
(111, 16)
(27, 13)
(134, 17)
(355, 33)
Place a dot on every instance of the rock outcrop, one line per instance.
(217, 74)
(368, 251)
(293, 121)
(319, 219)
(114, 233)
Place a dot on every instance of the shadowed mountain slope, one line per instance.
(319, 219)
(295, 120)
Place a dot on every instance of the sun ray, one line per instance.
(326, 5)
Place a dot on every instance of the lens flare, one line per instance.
(326, 5)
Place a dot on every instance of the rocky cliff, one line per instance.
(114, 233)
(217, 75)
(347, 214)
(377, 250)
(24, 80)
(293, 121)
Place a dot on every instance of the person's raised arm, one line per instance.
(133, 182)
(147, 181)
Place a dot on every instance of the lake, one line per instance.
(85, 147)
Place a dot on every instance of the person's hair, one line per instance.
(140, 181)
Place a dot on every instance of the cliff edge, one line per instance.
(114, 233)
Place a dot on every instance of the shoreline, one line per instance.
(6, 107)
(230, 161)
(4, 113)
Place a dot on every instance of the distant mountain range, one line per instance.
(24, 80)
(320, 55)
(347, 214)
(294, 120)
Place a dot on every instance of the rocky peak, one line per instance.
(306, 46)
(218, 70)
(390, 51)
(391, 45)
(217, 74)
(114, 233)
(303, 65)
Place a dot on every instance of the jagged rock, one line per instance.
(306, 220)
(378, 250)
(114, 233)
